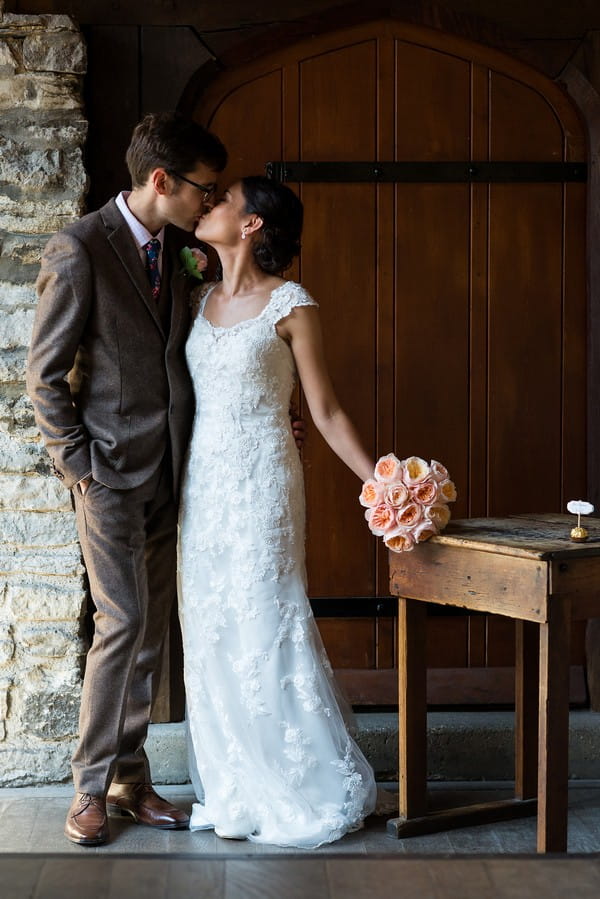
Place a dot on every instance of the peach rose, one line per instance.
(396, 495)
(409, 515)
(415, 470)
(439, 513)
(447, 491)
(388, 469)
(399, 540)
(371, 493)
(424, 531)
(426, 492)
(438, 471)
(200, 258)
(382, 519)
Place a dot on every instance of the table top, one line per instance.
(539, 536)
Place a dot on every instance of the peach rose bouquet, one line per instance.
(407, 500)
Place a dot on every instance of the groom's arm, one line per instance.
(64, 289)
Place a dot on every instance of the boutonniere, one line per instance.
(194, 262)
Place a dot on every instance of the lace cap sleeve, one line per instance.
(286, 297)
(198, 297)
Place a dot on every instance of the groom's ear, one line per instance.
(159, 179)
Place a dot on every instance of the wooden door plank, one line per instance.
(478, 293)
(339, 266)
(386, 238)
(109, 134)
(575, 346)
(525, 303)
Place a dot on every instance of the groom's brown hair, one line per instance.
(172, 142)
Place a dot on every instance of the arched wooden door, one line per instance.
(454, 309)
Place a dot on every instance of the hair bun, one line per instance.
(278, 241)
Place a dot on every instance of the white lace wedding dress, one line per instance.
(275, 760)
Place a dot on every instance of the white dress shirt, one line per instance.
(139, 232)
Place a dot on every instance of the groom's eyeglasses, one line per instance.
(207, 189)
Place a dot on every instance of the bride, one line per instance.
(275, 761)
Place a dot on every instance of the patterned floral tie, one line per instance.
(152, 249)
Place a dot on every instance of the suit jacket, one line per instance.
(110, 388)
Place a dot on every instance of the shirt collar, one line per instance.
(140, 233)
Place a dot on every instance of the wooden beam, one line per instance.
(204, 16)
(532, 20)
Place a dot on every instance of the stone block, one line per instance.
(7, 644)
(24, 250)
(59, 23)
(17, 562)
(15, 328)
(4, 688)
(30, 492)
(22, 456)
(28, 216)
(47, 707)
(40, 176)
(51, 641)
(38, 600)
(12, 294)
(166, 747)
(12, 367)
(40, 92)
(55, 52)
(33, 167)
(27, 762)
(16, 414)
(8, 63)
(18, 277)
(48, 529)
(58, 129)
(18, 22)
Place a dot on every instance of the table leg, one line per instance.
(412, 712)
(526, 708)
(553, 773)
(412, 737)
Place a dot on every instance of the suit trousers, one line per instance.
(129, 544)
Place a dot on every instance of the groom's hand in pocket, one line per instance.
(298, 427)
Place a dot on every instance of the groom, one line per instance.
(113, 401)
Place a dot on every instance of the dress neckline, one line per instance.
(243, 321)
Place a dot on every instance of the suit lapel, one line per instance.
(121, 240)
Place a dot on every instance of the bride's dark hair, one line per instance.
(278, 241)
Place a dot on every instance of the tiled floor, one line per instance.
(37, 861)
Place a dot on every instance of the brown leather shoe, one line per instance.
(145, 806)
(87, 823)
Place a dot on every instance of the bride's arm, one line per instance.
(302, 330)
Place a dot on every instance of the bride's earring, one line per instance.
(244, 233)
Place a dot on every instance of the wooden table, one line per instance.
(527, 568)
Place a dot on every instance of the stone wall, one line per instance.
(42, 581)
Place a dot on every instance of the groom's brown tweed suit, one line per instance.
(113, 399)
